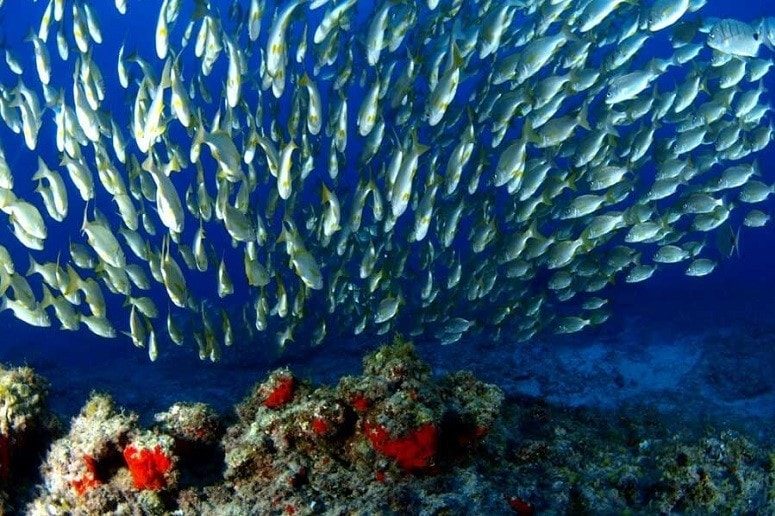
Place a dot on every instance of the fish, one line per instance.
(375, 40)
(628, 86)
(664, 13)
(276, 50)
(756, 219)
(42, 58)
(408, 158)
(444, 92)
(254, 19)
(767, 31)
(104, 243)
(700, 267)
(331, 19)
(162, 31)
(734, 37)
(34, 316)
(596, 11)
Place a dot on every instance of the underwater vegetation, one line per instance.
(26, 427)
(394, 439)
(312, 169)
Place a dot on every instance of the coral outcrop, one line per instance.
(109, 463)
(26, 425)
(395, 439)
(362, 442)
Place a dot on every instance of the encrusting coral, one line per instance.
(25, 427)
(395, 439)
(109, 463)
(340, 447)
(293, 447)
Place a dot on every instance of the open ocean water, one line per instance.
(697, 351)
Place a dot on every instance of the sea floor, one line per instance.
(719, 374)
(393, 438)
(697, 367)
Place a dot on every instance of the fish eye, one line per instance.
(756, 36)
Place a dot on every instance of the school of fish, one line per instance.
(311, 169)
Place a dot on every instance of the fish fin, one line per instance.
(726, 241)
(583, 117)
(33, 268)
(458, 60)
(165, 81)
(325, 193)
(528, 133)
(567, 32)
(85, 217)
(48, 298)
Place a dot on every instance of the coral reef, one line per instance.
(395, 439)
(366, 445)
(26, 426)
(582, 461)
(109, 463)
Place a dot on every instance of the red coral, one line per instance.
(415, 451)
(148, 467)
(360, 403)
(5, 457)
(520, 506)
(90, 479)
(320, 426)
(281, 394)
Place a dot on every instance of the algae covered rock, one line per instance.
(192, 423)
(371, 443)
(720, 473)
(80, 466)
(109, 463)
(573, 461)
(394, 439)
(26, 426)
(22, 400)
(196, 430)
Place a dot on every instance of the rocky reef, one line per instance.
(394, 439)
(579, 461)
(109, 463)
(26, 427)
(378, 442)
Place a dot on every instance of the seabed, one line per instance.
(394, 439)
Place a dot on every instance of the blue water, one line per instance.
(678, 342)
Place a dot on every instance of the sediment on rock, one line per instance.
(395, 439)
